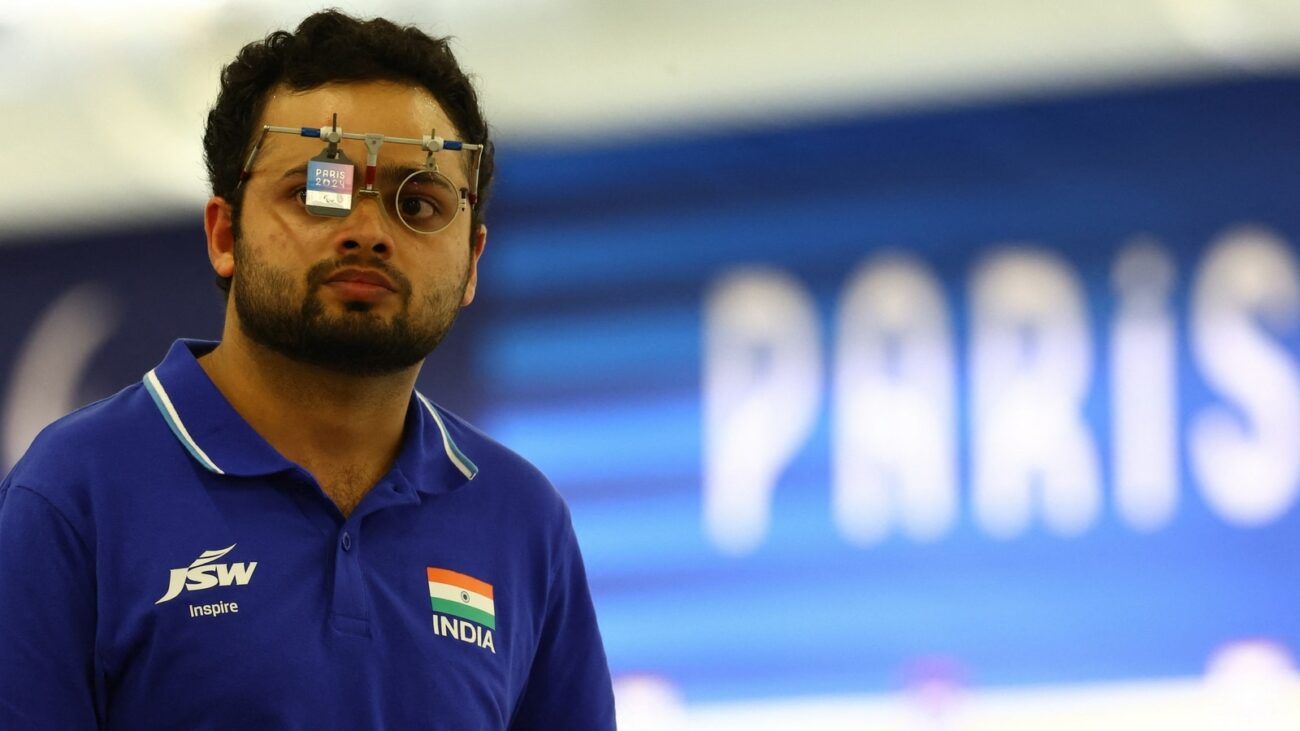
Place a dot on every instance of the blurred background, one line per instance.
(906, 365)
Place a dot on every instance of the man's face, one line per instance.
(361, 294)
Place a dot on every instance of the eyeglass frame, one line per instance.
(333, 135)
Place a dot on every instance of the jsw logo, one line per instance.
(203, 574)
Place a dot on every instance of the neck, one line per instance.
(318, 418)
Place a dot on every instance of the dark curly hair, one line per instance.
(330, 47)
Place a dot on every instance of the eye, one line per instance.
(426, 201)
(301, 194)
(417, 207)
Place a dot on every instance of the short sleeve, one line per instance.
(569, 684)
(47, 617)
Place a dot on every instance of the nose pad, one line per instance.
(374, 196)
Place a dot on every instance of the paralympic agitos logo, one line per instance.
(204, 574)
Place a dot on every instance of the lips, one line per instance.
(363, 276)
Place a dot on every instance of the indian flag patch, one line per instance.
(457, 594)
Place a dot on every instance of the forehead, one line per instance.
(388, 108)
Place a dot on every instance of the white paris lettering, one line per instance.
(1025, 397)
(203, 574)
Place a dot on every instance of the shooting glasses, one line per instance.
(425, 201)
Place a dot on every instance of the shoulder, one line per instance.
(101, 438)
(497, 466)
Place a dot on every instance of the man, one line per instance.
(277, 531)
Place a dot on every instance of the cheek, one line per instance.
(285, 231)
(441, 280)
(287, 228)
(440, 258)
(284, 247)
(260, 258)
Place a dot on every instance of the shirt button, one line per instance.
(347, 541)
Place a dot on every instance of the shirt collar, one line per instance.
(219, 439)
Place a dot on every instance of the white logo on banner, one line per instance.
(1034, 456)
(894, 445)
(1246, 452)
(762, 388)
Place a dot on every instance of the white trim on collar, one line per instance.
(173, 419)
(457, 457)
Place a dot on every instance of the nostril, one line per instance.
(380, 248)
(351, 245)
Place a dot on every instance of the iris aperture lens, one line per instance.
(426, 202)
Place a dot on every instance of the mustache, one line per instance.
(322, 271)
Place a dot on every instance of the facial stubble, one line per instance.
(356, 341)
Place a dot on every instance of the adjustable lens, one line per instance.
(427, 202)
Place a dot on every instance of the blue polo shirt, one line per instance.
(163, 567)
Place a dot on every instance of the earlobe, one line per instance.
(471, 284)
(218, 224)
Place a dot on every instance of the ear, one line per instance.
(221, 236)
(480, 241)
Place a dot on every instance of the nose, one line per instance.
(364, 230)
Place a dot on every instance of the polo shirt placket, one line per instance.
(235, 443)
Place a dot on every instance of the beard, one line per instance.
(355, 342)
